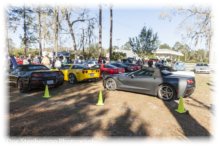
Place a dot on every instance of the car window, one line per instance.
(65, 67)
(33, 67)
(109, 66)
(144, 73)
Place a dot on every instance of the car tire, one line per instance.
(72, 79)
(21, 86)
(110, 84)
(166, 92)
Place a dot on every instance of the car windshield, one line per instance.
(66, 66)
(119, 64)
(109, 66)
(34, 67)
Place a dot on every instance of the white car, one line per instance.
(91, 63)
(202, 68)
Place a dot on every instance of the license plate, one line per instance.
(91, 74)
(49, 82)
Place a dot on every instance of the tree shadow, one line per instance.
(201, 103)
(36, 116)
(190, 126)
(122, 126)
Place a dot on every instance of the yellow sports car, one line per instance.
(77, 72)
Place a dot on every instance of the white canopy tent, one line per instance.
(166, 54)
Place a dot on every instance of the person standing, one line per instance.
(46, 61)
(58, 63)
(25, 60)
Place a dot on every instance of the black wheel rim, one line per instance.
(71, 79)
(166, 92)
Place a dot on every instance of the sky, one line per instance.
(128, 22)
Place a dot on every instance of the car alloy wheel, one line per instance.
(111, 84)
(72, 79)
(166, 92)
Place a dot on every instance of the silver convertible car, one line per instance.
(166, 84)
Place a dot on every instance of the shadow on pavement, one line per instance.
(190, 126)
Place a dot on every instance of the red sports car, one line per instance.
(110, 69)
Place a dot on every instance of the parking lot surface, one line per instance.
(72, 111)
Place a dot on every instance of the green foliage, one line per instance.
(164, 46)
(20, 52)
(145, 43)
(127, 46)
(118, 55)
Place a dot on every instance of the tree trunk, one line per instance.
(71, 30)
(111, 32)
(56, 19)
(40, 34)
(25, 32)
(83, 40)
(100, 29)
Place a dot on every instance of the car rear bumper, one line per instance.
(202, 71)
(189, 91)
(51, 82)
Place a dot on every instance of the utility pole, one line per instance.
(100, 29)
(111, 33)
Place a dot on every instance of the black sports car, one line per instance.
(122, 65)
(27, 77)
(154, 81)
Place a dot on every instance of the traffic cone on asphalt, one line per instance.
(46, 93)
(100, 99)
(181, 108)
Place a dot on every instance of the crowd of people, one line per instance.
(50, 62)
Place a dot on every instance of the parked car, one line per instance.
(180, 66)
(27, 77)
(202, 68)
(153, 81)
(122, 65)
(74, 73)
(110, 69)
(91, 63)
(133, 66)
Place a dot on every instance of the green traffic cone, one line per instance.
(46, 93)
(100, 99)
(181, 108)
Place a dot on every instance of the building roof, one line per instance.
(167, 52)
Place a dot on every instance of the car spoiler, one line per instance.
(13, 61)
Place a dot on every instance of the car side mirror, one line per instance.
(132, 76)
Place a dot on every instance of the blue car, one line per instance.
(179, 66)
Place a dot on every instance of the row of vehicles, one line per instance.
(162, 82)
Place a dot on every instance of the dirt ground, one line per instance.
(72, 111)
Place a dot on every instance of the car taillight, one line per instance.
(190, 81)
(37, 75)
(84, 71)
